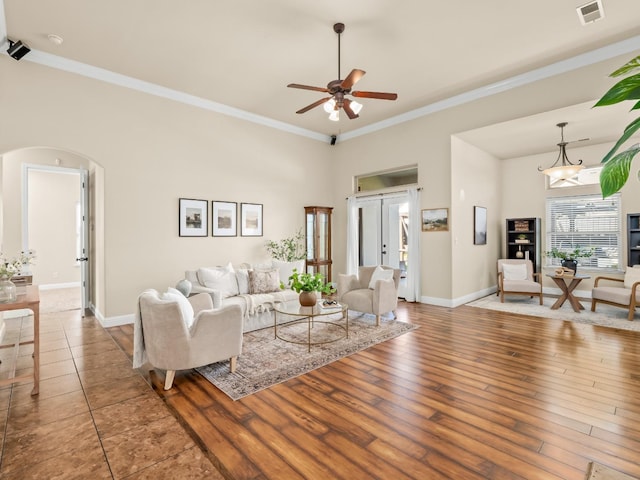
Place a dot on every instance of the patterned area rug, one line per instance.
(266, 361)
(601, 472)
(605, 315)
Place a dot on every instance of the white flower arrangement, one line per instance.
(9, 268)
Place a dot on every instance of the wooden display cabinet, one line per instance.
(318, 240)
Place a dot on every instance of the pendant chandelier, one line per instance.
(562, 168)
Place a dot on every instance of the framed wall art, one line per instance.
(192, 217)
(479, 226)
(251, 219)
(435, 220)
(224, 219)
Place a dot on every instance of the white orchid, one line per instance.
(9, 268)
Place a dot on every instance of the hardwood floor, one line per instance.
(471, 394)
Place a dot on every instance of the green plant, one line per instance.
(308, 282)
(615, 171)
(570, 254)
(288, 249)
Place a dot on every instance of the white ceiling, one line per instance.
(243, 53)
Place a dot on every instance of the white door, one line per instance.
(383, 234)
(83, 236)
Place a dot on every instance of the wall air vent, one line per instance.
(590, 12)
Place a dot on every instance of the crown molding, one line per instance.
(595, 56)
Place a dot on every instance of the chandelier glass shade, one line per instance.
(562, 168)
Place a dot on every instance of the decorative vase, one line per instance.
(7, 290)
(572, 264)
(308, 299)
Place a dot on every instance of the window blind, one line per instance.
(586, 221)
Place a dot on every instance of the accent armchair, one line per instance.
(374, 290)
(516, 277)
(173, 332)
(619, 292)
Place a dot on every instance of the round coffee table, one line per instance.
(324, 316)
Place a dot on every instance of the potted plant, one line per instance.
(569, 258)
(307, 284)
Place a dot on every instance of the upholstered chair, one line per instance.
(516, 277)
(374, 290)
(173, 332)
(619, 292)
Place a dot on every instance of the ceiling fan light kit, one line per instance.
(565, 169)
(339, 88)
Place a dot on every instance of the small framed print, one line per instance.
(435, 220)
(250, 219)
(479, 225)
(192, 217)
(223, 219)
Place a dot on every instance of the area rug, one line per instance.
(267, 361)
(605, 315)
(601, 472)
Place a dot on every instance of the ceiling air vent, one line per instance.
(590, 12)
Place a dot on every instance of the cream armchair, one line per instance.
(516, 277)
(173, 333)
(619, 292)
(363, 295)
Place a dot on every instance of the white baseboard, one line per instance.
(54, 286)
(117, 321)
(456, 302)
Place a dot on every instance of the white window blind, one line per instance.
(586, 221)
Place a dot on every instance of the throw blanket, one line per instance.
(260, 302)
(139, 353)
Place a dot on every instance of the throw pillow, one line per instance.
(219, 278)
(184, 287)
(186, 309)
(514, 272)
(380, 274)
(264, 281)
(631, 276)
(242, 276)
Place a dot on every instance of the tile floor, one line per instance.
(95, 416)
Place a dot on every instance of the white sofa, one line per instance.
(254, 288)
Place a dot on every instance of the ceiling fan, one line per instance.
(339, 88)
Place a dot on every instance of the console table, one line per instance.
(567, 290)
(28, 299)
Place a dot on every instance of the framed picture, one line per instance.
(251, 219)
(435, 220)
(479, 226)
(192, 217)
(223, 219)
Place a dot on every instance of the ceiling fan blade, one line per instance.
(380, 95)
(352, 79)
(314, 105)
(346, 106)
(307, 87)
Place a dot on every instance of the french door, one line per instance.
(383, 233)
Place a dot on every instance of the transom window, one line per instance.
(586, 222)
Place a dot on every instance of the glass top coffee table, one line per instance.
(324, 324)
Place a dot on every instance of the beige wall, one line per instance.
(426, 141)
(155, 151)
(476, 179)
